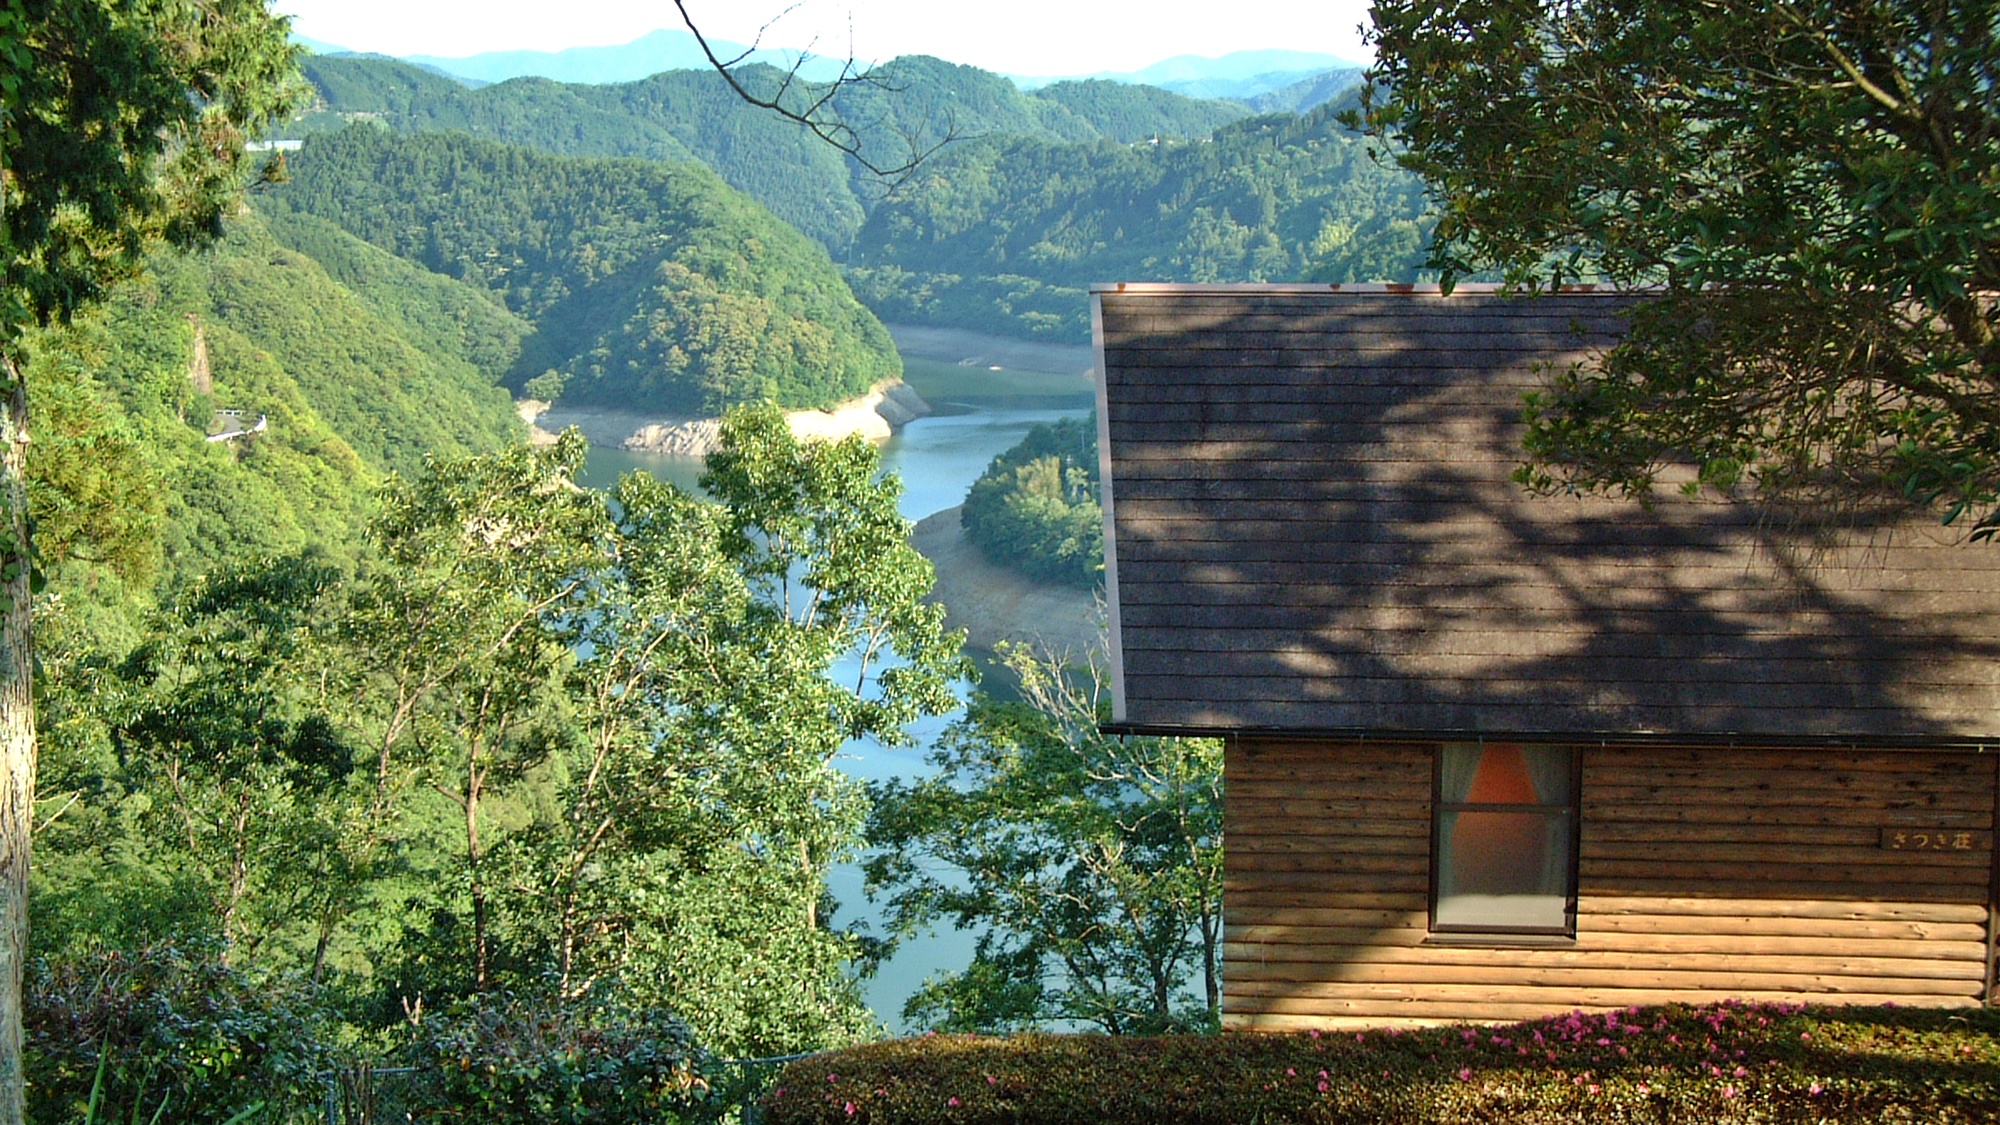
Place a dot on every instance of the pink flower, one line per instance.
(1815, 1089)
(1593, 1088)
(1741, 1073)
(1290, 1073)
(990, 1080)
(1323, 1087)
(1323, 1074)
(1465, 1074)
(953, 1100)
(1729, 1091)
(850, 1109)
(833, 1078)
(1314, 1033)
(1645, 1089)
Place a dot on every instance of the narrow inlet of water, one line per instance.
(979, 414)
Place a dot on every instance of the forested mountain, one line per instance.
(351, 387)
(1309, 93)
(1127, 113)
(648, 285)
(1002, 229)
(1004, 234)
(691, 114)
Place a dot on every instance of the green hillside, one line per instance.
(1006, 234)
(349, 389)
(648, 285)
(1039, 195)
(1126, 113)
(692, 115)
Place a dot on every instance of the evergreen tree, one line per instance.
(120, 125)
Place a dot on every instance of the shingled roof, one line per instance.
(1313, 528)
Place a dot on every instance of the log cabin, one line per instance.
(1491, 755)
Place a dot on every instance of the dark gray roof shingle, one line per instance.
(1316, 528)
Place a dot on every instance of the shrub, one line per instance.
(1723, 1063)
(500, 1059)
(170, 1034)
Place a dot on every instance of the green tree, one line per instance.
(817, 633)
(242, 772)
(1036, 509)
(120, 125)
(629, 706)
(1091, 864)
(481, 553)
(1815, 185)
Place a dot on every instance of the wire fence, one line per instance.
(365, 1094)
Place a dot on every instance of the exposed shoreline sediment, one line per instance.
(994, 604)
(875, 416)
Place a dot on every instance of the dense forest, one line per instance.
(1035, 509)
(356, 379)
(1003, 228)
(651, 286)
(692, 115)
(1004, 234)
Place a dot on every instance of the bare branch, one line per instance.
(814, 108)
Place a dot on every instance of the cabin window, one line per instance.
(1503, 853)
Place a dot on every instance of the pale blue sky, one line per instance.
(1031, 37)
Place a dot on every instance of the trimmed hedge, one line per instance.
(1669, 1064)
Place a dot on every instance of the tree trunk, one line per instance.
(472, 787)
(17, 732)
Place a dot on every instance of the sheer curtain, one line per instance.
(1504, 870)
(1553, 769)
(1461, 765)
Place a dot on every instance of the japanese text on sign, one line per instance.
(1932, 840)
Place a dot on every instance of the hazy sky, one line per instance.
(1031, 37)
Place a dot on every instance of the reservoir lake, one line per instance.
(979, 413)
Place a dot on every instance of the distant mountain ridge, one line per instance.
(653, 53)
(692, 115)
(1240, 75)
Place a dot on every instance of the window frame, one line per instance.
(1439, 807)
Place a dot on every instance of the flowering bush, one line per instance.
(1722, 1063)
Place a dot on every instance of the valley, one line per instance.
(640, 257)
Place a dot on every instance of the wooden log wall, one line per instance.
(1703, 874)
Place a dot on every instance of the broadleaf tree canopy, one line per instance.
(1814, 185)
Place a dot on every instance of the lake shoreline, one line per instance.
(994, 604)
(876, 416)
